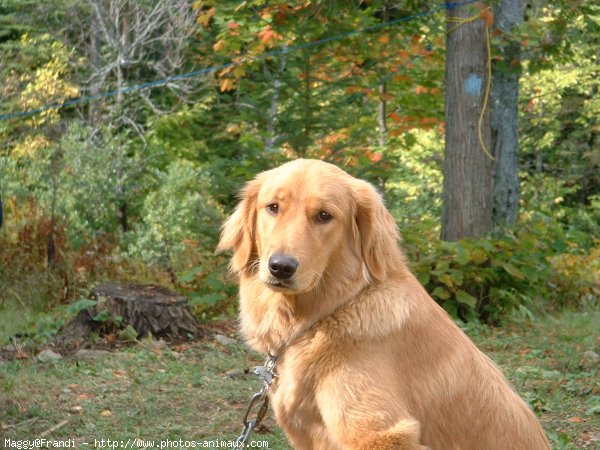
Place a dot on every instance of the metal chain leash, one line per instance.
(266, 373)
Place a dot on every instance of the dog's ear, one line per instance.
(238, 232)
(377, 232)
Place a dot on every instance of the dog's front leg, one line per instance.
(404, 435)
(363, 430)
(360, 415)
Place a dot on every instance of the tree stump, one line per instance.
(149, 309)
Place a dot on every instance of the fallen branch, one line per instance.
(17, 425)
(54, 428)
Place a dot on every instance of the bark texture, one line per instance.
(467, 196)
(147, 308)
(505, 101)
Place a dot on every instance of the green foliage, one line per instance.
(536, 266)
(414, 189)
(128, 334)
(80, 305)
(215, 138)
(322, 101)
(30, 324)
(135, 187)
(209, 287)
(212, 296)
(180, 209)
(560, 116)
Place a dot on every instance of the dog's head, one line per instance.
(306, 219)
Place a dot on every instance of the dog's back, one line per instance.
(458, 395)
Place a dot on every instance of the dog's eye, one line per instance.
(273, 208)
(324, 216)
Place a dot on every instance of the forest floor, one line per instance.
(198, 391)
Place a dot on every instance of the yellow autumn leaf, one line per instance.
(30, 145)
(227, 84)
(219, 45)
(204, 18)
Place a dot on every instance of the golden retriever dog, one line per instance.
(365, 358)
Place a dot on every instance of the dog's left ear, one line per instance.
(238, 231)
(377, 232)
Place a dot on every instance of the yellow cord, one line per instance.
(460, 22)
(487, 94)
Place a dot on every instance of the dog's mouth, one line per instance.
(291, 286)
(279, 284)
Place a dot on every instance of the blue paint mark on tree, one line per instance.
(473, 84)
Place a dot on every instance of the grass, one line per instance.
(188, 391)
(546, 363)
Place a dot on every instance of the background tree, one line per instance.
(131, 42)
(468, 164)
(504, 111)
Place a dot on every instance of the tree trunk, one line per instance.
(55, 169)
(95, 45)
(273, 111)
(505, 100)
(382, 110)
(382, 114)
(307, 106)
(123, 216)
(467, 196)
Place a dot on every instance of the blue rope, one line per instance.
(165, 81)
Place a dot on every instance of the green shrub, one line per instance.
(534, 265)
(179, 212)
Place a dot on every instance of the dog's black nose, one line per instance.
(282, 266)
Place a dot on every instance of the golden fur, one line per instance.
(366, 359)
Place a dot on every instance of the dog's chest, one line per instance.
(293, 397)
(294, 401)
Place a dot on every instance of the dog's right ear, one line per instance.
(238, 231)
